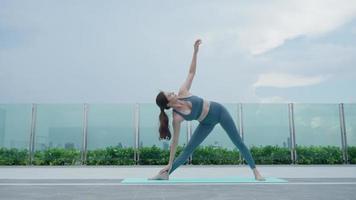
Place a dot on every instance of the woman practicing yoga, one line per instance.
(190, 107)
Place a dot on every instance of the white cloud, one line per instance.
(106, 47)
(273, 99)
(315, 122)
(281, 80)
(271, 23)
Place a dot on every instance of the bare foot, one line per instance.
(162, 175)
(258, 176)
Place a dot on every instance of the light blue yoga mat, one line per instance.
(203, 180)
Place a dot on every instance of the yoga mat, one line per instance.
(204, 180)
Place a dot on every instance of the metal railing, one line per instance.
(240, 123)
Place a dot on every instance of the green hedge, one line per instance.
(271, 155)
(319, 155)
(352, 154)
(210, 155)
(156, 156)
(111, 156)
(13, 156)
(57, 156)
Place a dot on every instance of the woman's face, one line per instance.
(171, 97)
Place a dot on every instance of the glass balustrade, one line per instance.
(124, 134)
(317, 133)
(266, 132)
(350, 124)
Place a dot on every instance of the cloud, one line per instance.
(271, 24)
(273, 99)
(315, 122)
(308, 18)
(282, 80)
(102, 49)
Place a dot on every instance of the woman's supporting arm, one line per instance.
(174, 143)
(173, 148)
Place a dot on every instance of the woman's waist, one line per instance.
(213, 111)
(205, 110)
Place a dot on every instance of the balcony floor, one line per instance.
(104, 182)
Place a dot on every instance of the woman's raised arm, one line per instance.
(188, 82)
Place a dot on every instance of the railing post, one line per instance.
(241, 129)
(32, 133)
(241, 121)
(136, 133)
(84, 149)
(343, 134)
(189, 135)
(292, 133)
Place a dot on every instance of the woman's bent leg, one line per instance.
(228, 125)
(200, 133)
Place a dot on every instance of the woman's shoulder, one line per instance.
(184, 94)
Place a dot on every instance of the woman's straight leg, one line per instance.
(200, 133)
(229, 126)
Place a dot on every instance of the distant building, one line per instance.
(63, 135)
(216, 144)
(69, 145)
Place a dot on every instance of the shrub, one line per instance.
(57, 156)
(271, 155)
(155, 156)
(352, 154)
(111, 156)
(319, 155)
(211, 155)
(204, 155)
(13, 156)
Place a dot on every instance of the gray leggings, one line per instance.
(217, 114)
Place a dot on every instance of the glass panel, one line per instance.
(110, 134)
(317, 130)
(110, 125)
(350, 123)
(59, 131)
(15, 125)
(317, 124)
(266, 124)
(266, 132)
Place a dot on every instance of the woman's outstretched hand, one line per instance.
(196, 45)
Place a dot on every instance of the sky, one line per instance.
(86, 51)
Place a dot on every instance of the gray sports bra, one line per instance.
(196, 110)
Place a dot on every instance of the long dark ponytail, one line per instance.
(164, 132)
